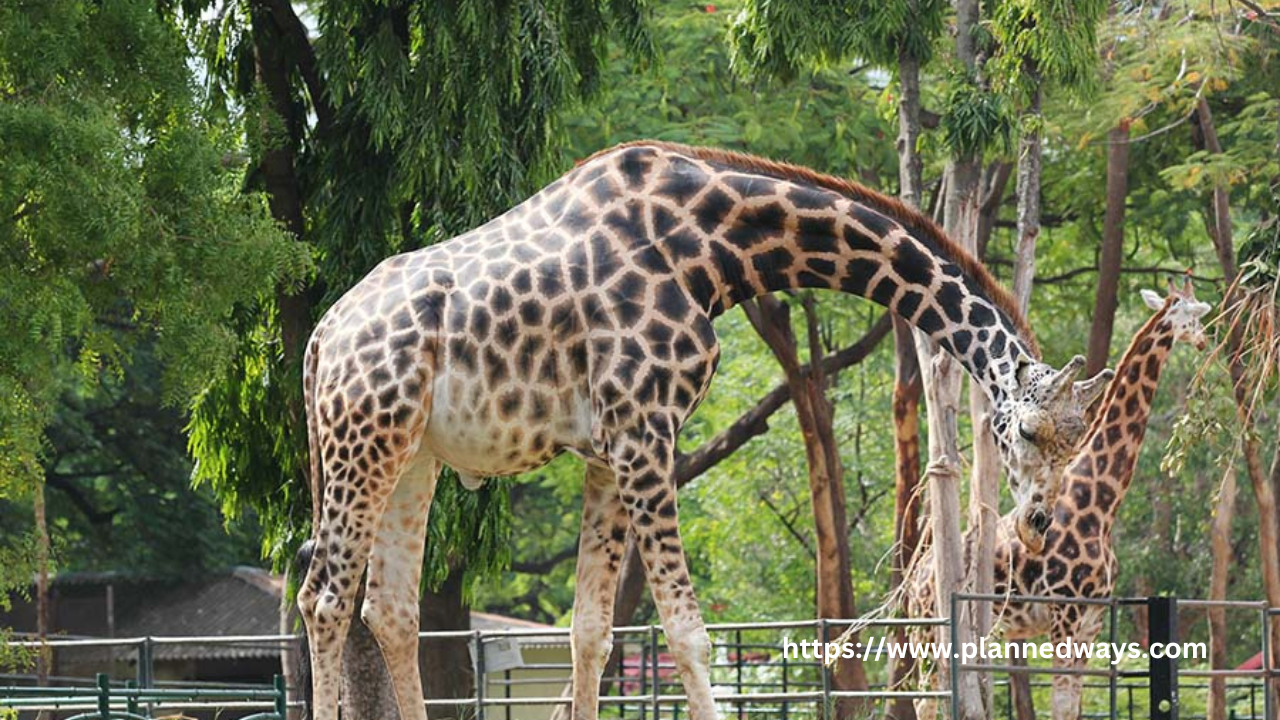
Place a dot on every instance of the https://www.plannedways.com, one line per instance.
(986, 649)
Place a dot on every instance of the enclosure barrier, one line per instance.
(803, 689)
(106, 703)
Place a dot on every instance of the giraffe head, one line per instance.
(1037, 429)
(1182, 311)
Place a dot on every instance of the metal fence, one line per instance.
(752, 677)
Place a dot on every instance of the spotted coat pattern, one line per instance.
(581, 321)
(1078, 560)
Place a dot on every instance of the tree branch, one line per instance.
(1077, 272)
(755, 422)
(1262, 14)
(544, 566)
(78, 498)
(787, 523)
(304, 57)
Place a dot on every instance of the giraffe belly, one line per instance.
(483, 434)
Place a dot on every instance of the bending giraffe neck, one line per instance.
(1108, 453)
(736, 227)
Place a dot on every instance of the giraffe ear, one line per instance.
(1152, 299)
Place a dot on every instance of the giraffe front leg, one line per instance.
(600, 548)
(1066, 691)
(649, 496)
(395, 569)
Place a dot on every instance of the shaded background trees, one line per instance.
(187, 185)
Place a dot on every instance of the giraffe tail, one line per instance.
(310, 382)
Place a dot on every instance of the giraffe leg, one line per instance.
(1066, 691)
(326, 599)
(600, 548)
(649, 496)
(395, 569)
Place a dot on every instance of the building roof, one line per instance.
(236, 602)
(245, 601)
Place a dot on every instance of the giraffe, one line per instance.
(1078, 559)
(581, 321)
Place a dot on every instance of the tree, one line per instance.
(400, 124)
(123, 228)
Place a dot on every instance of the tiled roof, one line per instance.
(245, 601)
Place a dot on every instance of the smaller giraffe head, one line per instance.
(1182, 311)
(1037, 431)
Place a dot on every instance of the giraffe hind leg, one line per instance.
(361, 469)
(395, 568)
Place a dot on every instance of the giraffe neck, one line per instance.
(734, 234)
(1104, 465)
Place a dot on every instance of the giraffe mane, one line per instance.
(919, 225)
(1113, 387)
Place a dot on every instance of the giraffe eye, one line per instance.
(1025, 433)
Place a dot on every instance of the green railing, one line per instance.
(104, 702)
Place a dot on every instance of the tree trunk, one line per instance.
(1220, 537)
(907, 384)
(909, 163)
(1264, 488)
(942, 378)
(278, 167)
(834, 577)
(446, 664)
(1029, 150)
(1104, 312)
(44, 656)
(1020, 689)
(291, 656)
(907, 387)
(366, 687)
(994, 181)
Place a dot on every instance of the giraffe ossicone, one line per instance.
(1078, 560)
(581, 321)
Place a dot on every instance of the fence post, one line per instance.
(478, 661)
(1162, 627)
(953, 662)
(653, 642)
(1111, 680)
(1267, 699)
(281, 703)
(786, 706)
(131, 700)
(104, 697)
(822, 667)
(737, 638)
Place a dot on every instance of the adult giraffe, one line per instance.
(580, 320)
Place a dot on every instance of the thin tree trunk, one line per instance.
(994, 181)
(907, 385)
(291, 655)
(907, 388)
(366, 686)
(1264, 487)
(942, 378)
(1020, 688)
(1104, 312)
(44, 655)
(834, 578)
(909, 163)
(1220, 537)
